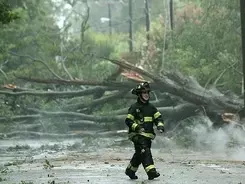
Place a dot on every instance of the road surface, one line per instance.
(71, 161)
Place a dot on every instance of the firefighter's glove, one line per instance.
(160, 129)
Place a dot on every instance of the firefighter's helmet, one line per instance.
(144, 86)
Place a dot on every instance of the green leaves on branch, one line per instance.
(7, 14)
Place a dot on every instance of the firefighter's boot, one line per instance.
(131, 174)
(153, 174)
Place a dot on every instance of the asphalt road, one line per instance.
(56, 164)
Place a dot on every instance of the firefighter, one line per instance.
(141, 117)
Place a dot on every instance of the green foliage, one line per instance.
(204, 43)
(7, 14)
(103, 69)
(98, 44)
(34, 34)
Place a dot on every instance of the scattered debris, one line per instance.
(222, 172)
(26, 182)
(18, 148)
(4, 170)
(17, 162)
(10, 86)
(117, 159)
(50, 175)
(54, 147)
(47, 165)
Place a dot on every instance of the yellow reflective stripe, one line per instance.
(160, 124)
(147, 119)
(150, 135)
(157, 114)
(134, 125)
(132, 167)
(148, 168)
(129, 165)
(130, 116)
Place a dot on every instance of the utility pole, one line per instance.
(130, 26)
(242, 14)
(109, 15)
(147, 22)
(171, 14)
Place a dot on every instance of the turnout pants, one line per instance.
(142, 154)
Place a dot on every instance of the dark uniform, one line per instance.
(141, 117)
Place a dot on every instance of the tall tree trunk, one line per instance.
(147, 21)
(171, 12)
(130, 26)
(242, 7)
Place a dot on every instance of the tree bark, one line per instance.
(46, 114)
(105, 99)
(111, 84)
(55, 94)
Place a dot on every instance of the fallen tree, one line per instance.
(187, 88)
(186, 96)
(45, 114)
(182, 86)
(55, 94)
